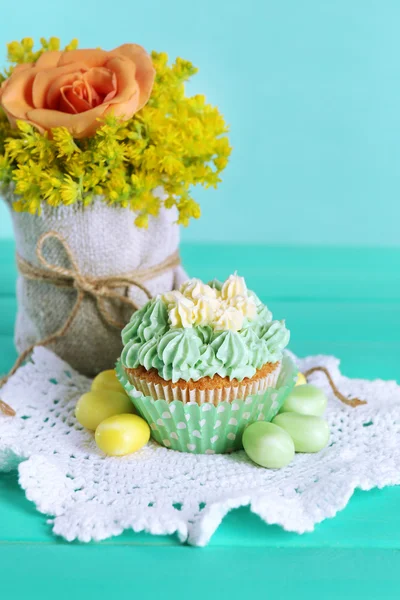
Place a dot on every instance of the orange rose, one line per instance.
(74, 89)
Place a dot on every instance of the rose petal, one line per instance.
(83, 90)
(91, 58)
(16, 95)
(71, 102)
(126, 100)
(47, 83)
(103, 80)
(125, 75)
(64, 104)
(23, 67)
(80, 125)
(53, 94)
(50, 59)
(145, 72)
(124, 110)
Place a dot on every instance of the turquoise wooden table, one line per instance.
(344, 302)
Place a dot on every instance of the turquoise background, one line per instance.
(311, 90)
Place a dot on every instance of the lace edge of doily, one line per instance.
(200, 531)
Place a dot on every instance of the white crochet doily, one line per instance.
(91, 497)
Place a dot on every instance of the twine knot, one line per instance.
(102, 289)
(84, 285)
(94, 288)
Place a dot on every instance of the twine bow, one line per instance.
(102, 289)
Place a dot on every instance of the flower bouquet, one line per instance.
(98, 154)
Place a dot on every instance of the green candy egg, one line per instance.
(309, 433)
(306, 400)
(268, 445)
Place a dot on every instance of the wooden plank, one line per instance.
(274, 272)
(8, 269)
(298, 273)
(8, 309)
(59, 571)
(8, 353)
(335, 321)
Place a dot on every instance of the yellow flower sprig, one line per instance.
(22, 52)
(175, 142)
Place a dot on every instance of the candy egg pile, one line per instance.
(299, 427)
(268, 445)
(122, 434)
(306, 400)
(95, 406)
(108, 411)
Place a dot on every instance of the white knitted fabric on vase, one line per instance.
(91, 497)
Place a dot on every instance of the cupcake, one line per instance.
(202, 362)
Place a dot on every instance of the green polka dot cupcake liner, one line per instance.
(206, 428)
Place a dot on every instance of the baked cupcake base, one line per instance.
(206, 428)
(206, 390)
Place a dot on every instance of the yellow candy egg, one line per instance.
(107, 380)
(122, 434)
(301, 380)
(95, 406)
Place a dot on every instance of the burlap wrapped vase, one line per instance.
(82, 272)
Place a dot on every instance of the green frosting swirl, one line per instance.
(276, 338)
(232, 351)
(196, 352)
(256, 347)
(148, 322)
(179, 350)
